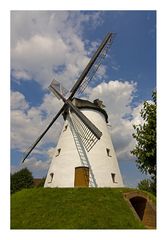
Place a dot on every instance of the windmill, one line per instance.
(84, 155)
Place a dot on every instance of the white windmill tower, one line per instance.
(84, 156)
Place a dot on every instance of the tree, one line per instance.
(147, 185)
(21, 179)
(145, 135)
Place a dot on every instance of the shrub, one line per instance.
(148, 185)
(21, 179)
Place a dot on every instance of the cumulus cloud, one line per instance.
(25, 24)
(27, 123)
(117, 97)
(38, 52)
(35, 166)
(18, 101)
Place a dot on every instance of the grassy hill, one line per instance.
(72, 208)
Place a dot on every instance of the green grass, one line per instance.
(72, 208)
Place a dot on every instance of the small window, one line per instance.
(65, 128)
(108, 152)
(58, 152)
(51, 177)
(113, 177)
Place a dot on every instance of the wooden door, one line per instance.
(81, 177)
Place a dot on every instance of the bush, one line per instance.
(148, 185)
(21, 179)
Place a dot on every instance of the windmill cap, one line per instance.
(96, 105)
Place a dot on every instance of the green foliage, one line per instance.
(147, 185)
(21, 179)
(72, 208)
(145, 135)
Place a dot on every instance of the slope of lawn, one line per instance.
(72, 208)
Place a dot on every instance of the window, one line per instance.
(113, 177)
(58, 152)
(108, 152)
(51, 177)
(65, 128)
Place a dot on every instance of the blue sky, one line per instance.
(59, 44)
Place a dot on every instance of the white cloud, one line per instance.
(21, 74)
(117, 97)
(18, 101)
(34, 165)
(24, 24)
(136, 117)
(27, 123)
(43, 41)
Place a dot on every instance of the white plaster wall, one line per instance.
(63, 166)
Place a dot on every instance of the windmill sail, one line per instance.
(79, 114)
(55, 85)
(80, 80)
(95, 67)
(88, 138)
